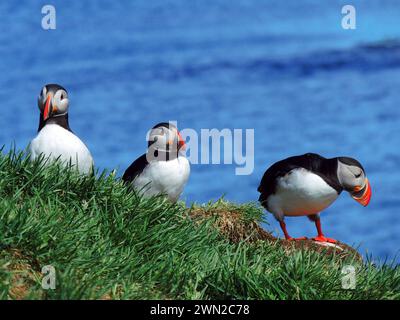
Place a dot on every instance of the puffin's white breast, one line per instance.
(301, 192)
(164, 177)
(54, 142)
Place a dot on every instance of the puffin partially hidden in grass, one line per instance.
(307, 184)
(163, 169)
(55, 140)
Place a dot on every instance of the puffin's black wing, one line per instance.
(310, 161)
(135, 169)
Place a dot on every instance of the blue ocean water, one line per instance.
(286, 69)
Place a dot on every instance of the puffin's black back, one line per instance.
(325, 168)
(135, 169)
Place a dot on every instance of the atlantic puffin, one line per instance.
(163, 169)
(55, 139)
(307, 184)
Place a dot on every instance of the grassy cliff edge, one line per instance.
(107, 242)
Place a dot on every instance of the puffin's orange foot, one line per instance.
(296, 239)
(324, 239)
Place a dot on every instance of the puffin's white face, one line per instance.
(53, 101)
(353, 179)
(166, 139)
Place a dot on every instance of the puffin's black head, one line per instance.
(53, 101)
(165, 137)
(353, 179)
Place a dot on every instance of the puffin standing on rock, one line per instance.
(307, 184)
(55, 140)
(163, 169)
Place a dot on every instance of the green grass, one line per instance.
(105, 241)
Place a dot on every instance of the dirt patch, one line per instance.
(340, 249)
(233, 227)
(23, 274)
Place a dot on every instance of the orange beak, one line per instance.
(181, 143)
(362, 195)
(46, 111)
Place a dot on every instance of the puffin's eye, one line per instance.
(358, 175)
(62, 96)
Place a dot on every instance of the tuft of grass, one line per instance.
(108, 242)
(236, 222)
